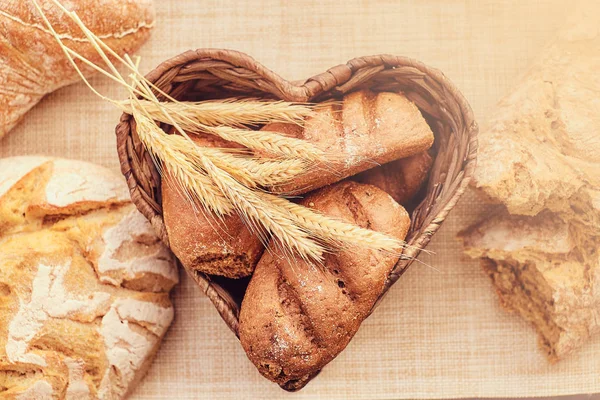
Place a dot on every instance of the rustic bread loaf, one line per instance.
(200, 240)
(32, 64)
(367, 129)
(539, 159)
(296, 317)
(84, 283)
(401, 179)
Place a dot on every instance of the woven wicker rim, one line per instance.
(217, 73)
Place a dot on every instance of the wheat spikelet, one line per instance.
(256, 172)
(245, 111)
(274, 172)
(252, 207)
(336, 232)
(196, 184)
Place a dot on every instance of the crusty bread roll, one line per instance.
(297, 317)
(367, 129)
(84, 282)
(401, 179)
(32, 64)
(200, 240)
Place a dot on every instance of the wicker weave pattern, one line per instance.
(215, 73)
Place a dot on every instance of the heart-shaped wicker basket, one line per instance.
(213, 73)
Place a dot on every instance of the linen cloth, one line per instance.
(440, 332)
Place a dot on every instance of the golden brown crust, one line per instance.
(84, 299)
(296, 317)
(32, 63)
(202, 241)
(401, 179)
(368, 129)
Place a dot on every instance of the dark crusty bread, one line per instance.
(200, 240)
(401, 179)
(297, 317)
(365, 130)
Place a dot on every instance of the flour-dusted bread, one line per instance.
(84, 283)
(32, 64)
(539, 158)
(202, 242)
(401, 179)
(365, 130)
(297, 317)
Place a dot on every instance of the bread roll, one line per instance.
(365, 130)
(401, 179)
(84, 283)
(297, 317)
(200, 240)
(32, 64)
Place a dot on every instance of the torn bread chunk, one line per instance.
(544, 271)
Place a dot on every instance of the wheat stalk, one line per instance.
(246, 111)
(271, 143)
(227, 180)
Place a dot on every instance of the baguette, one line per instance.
(297, 317)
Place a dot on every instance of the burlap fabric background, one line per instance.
(440, 331)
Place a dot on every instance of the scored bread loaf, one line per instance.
(203, 242)
(32, 64)
(401, 179)
(84, 282)
(365, 130)
(296, 317)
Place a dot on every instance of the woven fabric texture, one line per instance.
(440, 332)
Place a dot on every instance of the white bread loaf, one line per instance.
(32, 64)
(84, 282)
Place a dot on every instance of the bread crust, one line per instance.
(401, 179)
(297, 317)
(84, 282)
(366, 130)
(32, 64)
(200, 240)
